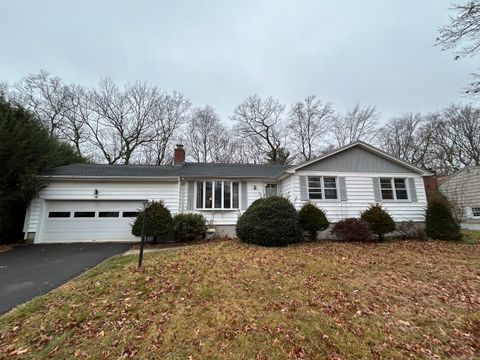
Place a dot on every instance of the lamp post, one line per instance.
(142, 239)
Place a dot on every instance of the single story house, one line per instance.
(463, 190)
(94, 202)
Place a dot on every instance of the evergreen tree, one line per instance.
(379, 221)
(312, 219)
(26, 150)
(439, 221)
(159, 221)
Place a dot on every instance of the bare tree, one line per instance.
(461, 130)
(170, 114)
(463, 31)
(47, 97)
(245, 150)
(410, 137)
(358, 123)
(261, 119)
(309, 123)
(123, 119)
(77, 115)
(207, 139)
(464, 27)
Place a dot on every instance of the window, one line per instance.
(235, 195)
(216, 195)
(476, 212)
(208, 199)
(270, 190)
(108, 214)
(322, 187)
(330, 187)
(393, 188)
(227, 195)
(59, 214)
(130, 214)
(84, 214)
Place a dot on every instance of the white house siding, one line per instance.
(32, 217)
(285, 188)
(107, 190)
(360, 195)
(463, 189)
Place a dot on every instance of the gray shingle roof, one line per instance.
(186, 170)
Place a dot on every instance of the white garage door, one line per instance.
(84, 221)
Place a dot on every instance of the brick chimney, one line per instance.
(431, 183)
(179, 155)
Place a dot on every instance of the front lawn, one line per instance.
(235, 301)
(471, 236)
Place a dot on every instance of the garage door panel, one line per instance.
(84, 229)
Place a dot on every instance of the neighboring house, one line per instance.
(86, 202)
(463, 191)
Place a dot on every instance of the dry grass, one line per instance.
(234, 301)
(471, 236)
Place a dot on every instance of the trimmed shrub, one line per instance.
(439, 221)
(271, 221)
(352, 229)
(189, 226)
(159, 221)
(379, 221)
(312, 219)
(411, 231)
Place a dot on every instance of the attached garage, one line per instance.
(87, 221)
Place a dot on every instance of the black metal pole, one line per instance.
(142, 239)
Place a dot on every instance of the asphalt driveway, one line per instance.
(31, 270)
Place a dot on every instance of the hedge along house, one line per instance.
(88, 202)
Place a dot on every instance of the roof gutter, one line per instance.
(132, 178)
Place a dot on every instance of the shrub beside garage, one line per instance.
(159, 221)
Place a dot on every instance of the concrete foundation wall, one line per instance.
(225, 230)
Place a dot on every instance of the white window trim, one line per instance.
(394, 190)
(213, 208)
(322, 184)
(473, 213)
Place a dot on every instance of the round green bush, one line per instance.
(352, 229)
(159, 221)
(271, 221)
(439, 221)
(189, 226)
(312, 219)
(379, 221)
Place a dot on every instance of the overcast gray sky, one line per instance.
(376, 52)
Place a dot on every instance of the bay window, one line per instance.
(216, 194)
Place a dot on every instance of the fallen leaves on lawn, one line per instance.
(317, 300)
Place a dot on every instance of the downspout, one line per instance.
(180, 195)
